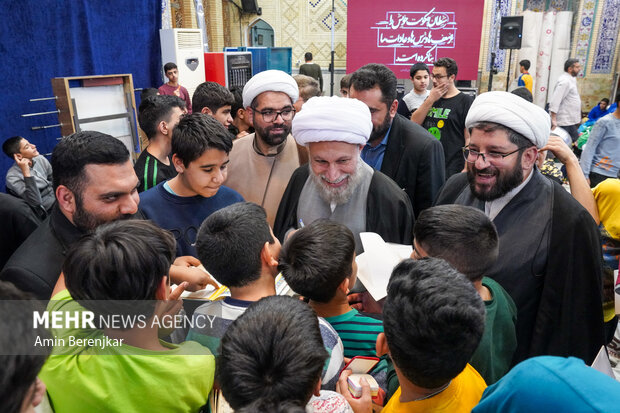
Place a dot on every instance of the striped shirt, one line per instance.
(357, 332)
(151, 171)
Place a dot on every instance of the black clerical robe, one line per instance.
(550, 263)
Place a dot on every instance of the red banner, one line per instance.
(400, 33)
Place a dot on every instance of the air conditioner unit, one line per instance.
(184, 47)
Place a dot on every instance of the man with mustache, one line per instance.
(549, 251)
(94, 183)
(399, 148)
(261, 163)
(337, 185)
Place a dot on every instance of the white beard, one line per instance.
(340, 195)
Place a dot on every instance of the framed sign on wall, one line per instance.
(401, 33)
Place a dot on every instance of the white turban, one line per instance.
(270, 81)
(513, 112)
(332, 119)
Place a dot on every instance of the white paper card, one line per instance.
(601, 363)
(375, 264)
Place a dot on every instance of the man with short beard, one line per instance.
(399, 148)
(261, 163)
(549, 250)
(337, 185)
(94, 182)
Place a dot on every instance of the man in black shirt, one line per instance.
(443, 114)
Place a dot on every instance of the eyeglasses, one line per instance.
(271, 115)
(438, 77)
(471, 155)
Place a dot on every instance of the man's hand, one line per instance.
(364, 302)
(438, 92)
(188, 269)
(361, 405)
(560, 149)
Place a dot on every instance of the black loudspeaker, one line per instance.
(511, 30)
(250, 6)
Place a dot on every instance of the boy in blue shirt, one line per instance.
(200, 147)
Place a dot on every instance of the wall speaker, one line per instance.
(511, 29)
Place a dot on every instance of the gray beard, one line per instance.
(338, 196)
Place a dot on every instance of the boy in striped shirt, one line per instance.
(318, 262)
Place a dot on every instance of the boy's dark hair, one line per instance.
(155, 109)
(121, 260)
(211, 95)
(433, 319)
(307, 56)
(230, 241)
(20, 363)
(238, 103)
(525, 63)
(273, 353)
(197, 133)
(449, 64)
(262, 405)
(74, 152)
(374, 74)
(345, 81)
(169, 66)
(524, 93)
(416, 67)
(569, 62)
(317, 258)
(606, 100)
(11, 146)
(461, 235)
(147, 93)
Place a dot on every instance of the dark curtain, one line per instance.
(40, 40)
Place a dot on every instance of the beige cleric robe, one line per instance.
(260, 178)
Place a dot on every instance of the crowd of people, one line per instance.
(258, 199)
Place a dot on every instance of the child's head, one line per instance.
(18, 358)
(160, 113)
(317, 259)
(272, 354)
(213, 99)
(461, 235)
(433, 319)
(18, 145)
(200, 147)
(171, 71)
(121, 260)
(525, 64)
(345, 84)
(420, 76)
(234, 243)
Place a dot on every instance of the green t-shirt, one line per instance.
(124, 378)
(357, 332)
(493, 357)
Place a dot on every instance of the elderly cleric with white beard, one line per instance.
(337, 184)
(549, 251)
